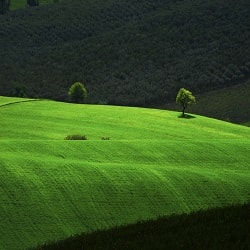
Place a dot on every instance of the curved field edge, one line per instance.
(217, 228)
(46, 120)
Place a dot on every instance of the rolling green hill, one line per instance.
(154, 164)
(127, 52)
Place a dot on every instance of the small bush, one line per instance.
(76, 137)
(105, 138)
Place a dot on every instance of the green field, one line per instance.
(155, 163)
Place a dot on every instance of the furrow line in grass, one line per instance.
(17, 102)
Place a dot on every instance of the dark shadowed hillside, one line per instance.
(127, 52)
(221, 228)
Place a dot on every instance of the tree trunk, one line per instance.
(183, 110)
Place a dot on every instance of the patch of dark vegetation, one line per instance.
(219, 228)
(76, 137)
(247, 124)
(126, 52)
(105, 138)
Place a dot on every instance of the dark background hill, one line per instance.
(126, 52)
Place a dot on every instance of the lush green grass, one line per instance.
(55, 120)
(223, 228)
(21, 4)
(229, 104)
(155, 163)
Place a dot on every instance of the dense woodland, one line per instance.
(127, 52)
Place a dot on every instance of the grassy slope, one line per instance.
(229, 104)
(155, 164)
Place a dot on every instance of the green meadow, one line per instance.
(154, 164)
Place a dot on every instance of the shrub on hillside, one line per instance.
(105, 138)
(75, 137)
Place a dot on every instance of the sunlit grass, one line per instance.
(154, 164)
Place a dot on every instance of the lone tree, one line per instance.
(78, 93)
(185, 98)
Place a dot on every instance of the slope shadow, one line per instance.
(186, 116)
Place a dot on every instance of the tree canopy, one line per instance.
(77, 93)
(185, 98)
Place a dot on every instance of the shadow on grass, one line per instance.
(186, 116)
(164, 233)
